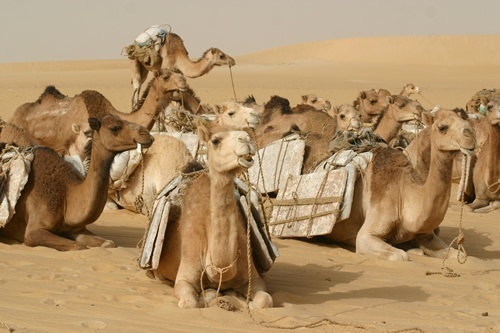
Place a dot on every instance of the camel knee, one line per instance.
(261, 300)
(186, 294)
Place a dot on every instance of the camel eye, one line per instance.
(231, 114)
(87, 133)
(342, 116)
(442, 128)
(215, 141)
(373, 101)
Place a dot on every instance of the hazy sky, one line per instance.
(52, 30)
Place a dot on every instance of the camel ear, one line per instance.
(335, 109)
(427, 118)
(75, 128)
(217, 109)
(389, 99)
(203, 133)
(362, 95)
(304, 99)
(94, 124)
(156, 73)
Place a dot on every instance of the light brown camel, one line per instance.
(277, 120)
(51, 119)
(477, 103)
(348, 118)
(207, 245)
(169, 156)
(371, 103)
(392, 205)
(409, 89)
(319, 103)
(57, 203)
(486, 169)
(174, 56)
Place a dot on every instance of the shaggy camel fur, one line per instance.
(174, 56)
(169, 156)
(206, 245)
(393, 206)
(57, 203)
(49, 121)
(486, 170)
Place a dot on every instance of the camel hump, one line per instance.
(50, 92)
(95, 102)
(279, 102)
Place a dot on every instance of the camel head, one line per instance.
(117, 135)
(372, 102)
(410, 89)
(166, 80)
(218, 58)
(236, 116)
(493, 110)
(450, 131)
(403, 109)
(229, 151)
(318, 103)
(348, 118)
(82, 137)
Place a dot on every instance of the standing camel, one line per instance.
(174, 56)
(207, 245)
(57, 203)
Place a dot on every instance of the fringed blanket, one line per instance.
(15, 163)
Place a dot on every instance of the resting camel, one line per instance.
(49, 121)
(57, 203)
(207, 245)
(486, 169)
(348, 118)
(371, 103)
(319, 103)
(409, 89)
(477, 103)
(174, 56)
(392, 205)
(169, 156)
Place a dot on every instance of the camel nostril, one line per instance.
(468, 132)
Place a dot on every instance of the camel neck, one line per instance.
(225, 221)
(387, 127)
(491, 149)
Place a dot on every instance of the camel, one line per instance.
(207, 245)
(392, 205)
(477, 103)
(51, 119)
(371, 103)
(169, 156)
(486, 169)
(174, 56)
(348, 118)
(319, 103)
(57, 203)
(409, 89)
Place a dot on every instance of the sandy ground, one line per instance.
(316, 287)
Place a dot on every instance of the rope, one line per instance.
(427, 100)
(139, 200)
(459, 240)
(232, 83)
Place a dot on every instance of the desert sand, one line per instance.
(316, 287)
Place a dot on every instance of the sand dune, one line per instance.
(317, 287)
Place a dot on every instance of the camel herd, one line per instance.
(78, 144)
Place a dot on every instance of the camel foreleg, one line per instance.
(433, 246)
(493, 205)
(476, 204)
(187, 294)
(43, 237)
(259, 297)
(368, 242)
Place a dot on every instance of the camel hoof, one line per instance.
(262, 300)
(416, 251)
(188, 302)
(108, 243)
(400, 255)
(209, 295)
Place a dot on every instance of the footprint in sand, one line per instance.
(93, 324)
(54, 302)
